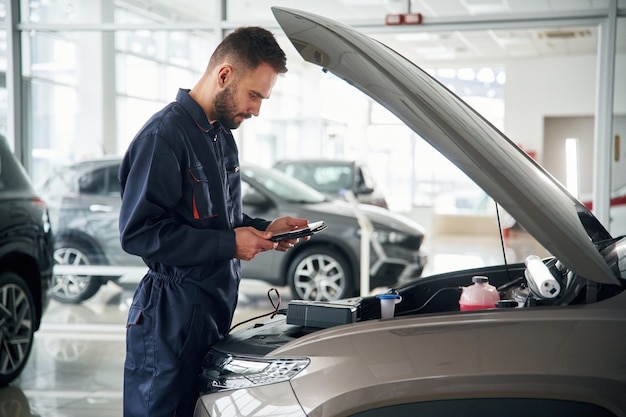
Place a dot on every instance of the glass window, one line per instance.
(431, 179)
(112, 183)
(52, 127)
(132, 113)
(93, 182)
(52, 57)
(283, 185)
(39, 11)
(101, 181)
(84, 105)
(138, 77)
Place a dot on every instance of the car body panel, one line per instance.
(562, 224)
(406, 356)
(277, 400)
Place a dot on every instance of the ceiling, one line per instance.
(452, 30)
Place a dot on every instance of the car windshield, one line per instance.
(283, 186)
(325, 177)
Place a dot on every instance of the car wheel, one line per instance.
(320, 274)
(17, 318)
(72, 288)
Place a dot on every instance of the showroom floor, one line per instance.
(75, 369)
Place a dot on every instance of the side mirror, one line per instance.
(364, 189)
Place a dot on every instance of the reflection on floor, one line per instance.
(75, 369)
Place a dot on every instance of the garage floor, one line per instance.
(75, 369)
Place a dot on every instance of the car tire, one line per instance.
(320, 274)
(17, 318)
(72, 288)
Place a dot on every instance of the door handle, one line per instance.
(100, 208)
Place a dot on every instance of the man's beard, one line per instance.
(225, 106)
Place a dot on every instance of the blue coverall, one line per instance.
(181, 199)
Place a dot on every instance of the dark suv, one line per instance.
(26, 262)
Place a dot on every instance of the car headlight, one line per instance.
(387, 236)
(222, 371)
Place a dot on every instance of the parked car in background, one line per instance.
(336, 178)
(551, 343)
(25, 264)
(84, 200)
(327, 267)
(617, 211)
(84, 203)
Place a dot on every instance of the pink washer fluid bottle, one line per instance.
(479, 296)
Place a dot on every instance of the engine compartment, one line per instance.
(514, 283)
(435, 294)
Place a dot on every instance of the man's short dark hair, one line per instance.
(249, 47)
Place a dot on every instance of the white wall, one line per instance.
(553, 87)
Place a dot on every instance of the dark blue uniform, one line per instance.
(181, 199)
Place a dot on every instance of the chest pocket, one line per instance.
(202, 204)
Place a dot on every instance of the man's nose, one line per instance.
(255, 111)
(255, 108)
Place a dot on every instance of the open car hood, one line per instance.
(562, 224)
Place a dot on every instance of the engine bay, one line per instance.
(533, 283)
(435, 294)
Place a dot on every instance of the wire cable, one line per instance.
(440, 290)
(506, 263)
(272, 313)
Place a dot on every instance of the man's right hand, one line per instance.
(249, 242)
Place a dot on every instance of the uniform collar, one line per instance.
(195, 110)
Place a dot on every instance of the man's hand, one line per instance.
(249, 242)
(285, 223)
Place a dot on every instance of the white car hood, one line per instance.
(562, 224)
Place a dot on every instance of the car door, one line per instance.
(100, 202)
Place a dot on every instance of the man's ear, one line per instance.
(224, 74)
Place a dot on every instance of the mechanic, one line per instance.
(182, 213)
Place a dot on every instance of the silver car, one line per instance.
(344, 179)
(550, 341)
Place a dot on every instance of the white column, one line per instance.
(95, 80)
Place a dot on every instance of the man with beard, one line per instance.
(181, 212)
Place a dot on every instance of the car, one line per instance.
(542, 336)
(84, 200)
(84, 203)
(26, 244)
(617, 210)
(336, 178)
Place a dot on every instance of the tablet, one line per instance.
(311, 229)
